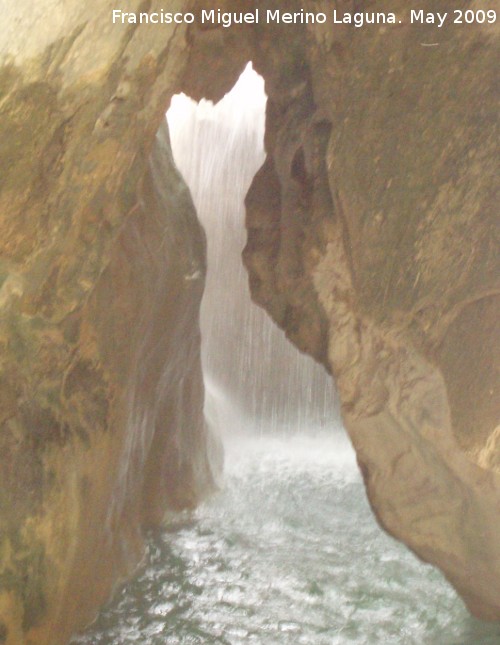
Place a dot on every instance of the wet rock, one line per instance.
(376, 254)
(102, 395)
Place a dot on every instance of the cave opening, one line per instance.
(288, 551)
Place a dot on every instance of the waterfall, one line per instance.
(253, 375)
(288, 551)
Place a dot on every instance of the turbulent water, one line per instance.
(287, 553)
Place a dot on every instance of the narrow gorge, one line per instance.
(372, 244)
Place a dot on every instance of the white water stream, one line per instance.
(218, 149)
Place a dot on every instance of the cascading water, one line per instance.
(288, 553)
(218, 149)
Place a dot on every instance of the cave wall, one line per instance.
(112, 434)
(371, 243)
(102, 273)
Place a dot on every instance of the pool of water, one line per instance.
(288, 553)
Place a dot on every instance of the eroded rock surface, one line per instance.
(372, 242)
(101, 391)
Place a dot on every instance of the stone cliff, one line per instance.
(102, 271)
(372, 242)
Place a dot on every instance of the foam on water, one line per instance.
(287, 553)
(311, 453)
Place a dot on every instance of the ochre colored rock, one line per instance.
(373, 242)
(101, 391)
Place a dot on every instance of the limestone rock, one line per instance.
(373, 241)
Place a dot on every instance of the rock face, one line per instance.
(371, 242)
(102, 271)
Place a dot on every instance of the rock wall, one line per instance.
(371, 242)
(102, 273)
(116, 429)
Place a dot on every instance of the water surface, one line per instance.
(288, 553)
